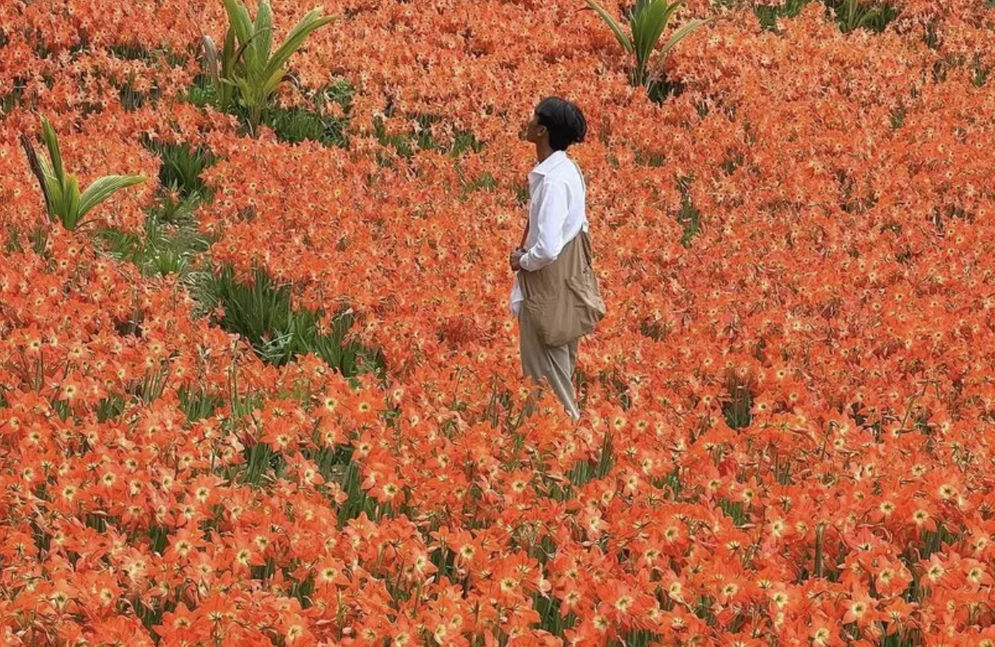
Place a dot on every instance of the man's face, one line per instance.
(533, 131)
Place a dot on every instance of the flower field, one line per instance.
(270, 393)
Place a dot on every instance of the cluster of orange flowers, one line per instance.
(787, 423)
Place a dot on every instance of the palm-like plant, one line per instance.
(253, 68)
(63, 199)
(647, 20)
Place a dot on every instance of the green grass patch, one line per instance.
(736, 406)
(550, 616)
(768, 15)
(671, 483)
(296, 124)
(13, 98)
(168, 244)
(688, 216)
(357, 500)
(170, 240)
(181, 167)
(132, 99)
(35, 237)
(128, 52)
(262, 312)
(855, 14)
(649, 159)
(198, 403)
(930, 36)
(137, 52)
(732, 162)
(110, 407)
(849, 14)
(584, 471)
(979, 73)
(663, 88)
(735, 510)
(484, 182)
(406, 145)
(897, 116)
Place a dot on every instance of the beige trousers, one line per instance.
(555, 363)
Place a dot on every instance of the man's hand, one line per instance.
(514, 259)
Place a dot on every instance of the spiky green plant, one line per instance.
(63, 199)
(220, 71)
(261, 311)
(253, 69)
(854, 14)
(646, 21)
(768, 15)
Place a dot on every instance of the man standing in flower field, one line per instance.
(555, 294)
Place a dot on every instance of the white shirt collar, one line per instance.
(547, 165)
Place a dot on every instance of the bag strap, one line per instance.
(588, 253)
(582, 183)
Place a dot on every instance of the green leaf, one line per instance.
(270, 85)
(56, 193)
(52, 142)
(312, 21)
(50, 184)
(245, 89)
(228, 54)
(101, 189)
(238, 19)
(870, 17)
(263, 37)
(224, 88)
(620, 35)
(70, 216)
(647, 27)
(685, 30)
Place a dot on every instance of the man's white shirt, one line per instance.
(556, 215)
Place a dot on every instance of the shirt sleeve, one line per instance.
(551, 216)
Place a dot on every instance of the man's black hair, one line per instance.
(564, 121)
